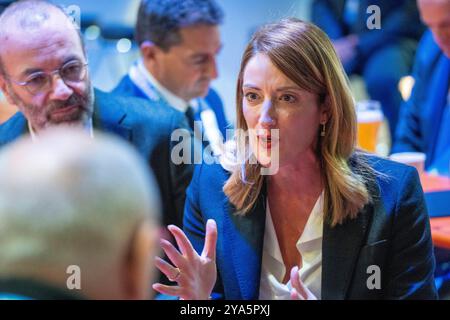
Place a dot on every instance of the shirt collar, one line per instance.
(314, 226)
(270, 236)
(313, 231)
(172, 99)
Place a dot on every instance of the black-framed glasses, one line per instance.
(40, 82)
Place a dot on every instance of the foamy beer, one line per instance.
(370, 118)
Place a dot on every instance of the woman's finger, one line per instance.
(182, 241)
(295, 295)
(169, 290)
(173, 254)
(297, 283)
(209, 250)
(169, 271)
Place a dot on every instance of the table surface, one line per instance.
(432, 183)
(440, 231)
(440, 226)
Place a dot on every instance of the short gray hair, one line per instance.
(68, 199)
(29, 14)
(160, 21)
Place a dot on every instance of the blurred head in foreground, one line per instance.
(78, 214)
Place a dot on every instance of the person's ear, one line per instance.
(138, 267)
(4, 89)
(149, 51)
(325, 110)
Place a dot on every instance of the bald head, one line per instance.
(25, 19)
(436, 15)
(67, 199)
(37, 40)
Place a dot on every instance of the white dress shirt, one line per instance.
(310, 247)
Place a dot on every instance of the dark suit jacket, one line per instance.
(146, 127)
(421, 115)
(399, 20)
(392, 233)
(127, 87)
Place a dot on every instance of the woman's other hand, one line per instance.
(299, 291)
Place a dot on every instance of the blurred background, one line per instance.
(108, 27)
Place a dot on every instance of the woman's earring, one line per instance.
(322, 133)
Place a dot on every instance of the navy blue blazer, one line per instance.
(146, 127)
(421, 115)
(127, 87)
(392, 233)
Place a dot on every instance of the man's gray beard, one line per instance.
(89, 104)
(87, 111)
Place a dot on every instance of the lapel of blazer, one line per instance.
(246, 234)
(341, 247)
(109, 116)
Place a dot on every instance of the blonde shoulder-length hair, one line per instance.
(304, 53)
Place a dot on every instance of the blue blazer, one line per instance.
(128, 88)
(392, 233)
(147, 126)
(421, 115)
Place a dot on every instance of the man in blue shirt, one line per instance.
(425, 117)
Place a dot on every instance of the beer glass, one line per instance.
(370, 117)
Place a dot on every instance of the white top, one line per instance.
(310, 247)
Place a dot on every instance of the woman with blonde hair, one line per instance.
(304, 215)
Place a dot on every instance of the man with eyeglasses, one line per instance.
(44, 71)
(77, 109)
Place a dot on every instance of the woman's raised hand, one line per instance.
(195, 275)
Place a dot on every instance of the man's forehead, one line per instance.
(200, 38)
(31, 28)
(30, 49)
(437, 15)
(434, 5)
